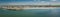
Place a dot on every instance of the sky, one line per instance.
(29, 2)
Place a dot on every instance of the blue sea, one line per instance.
(31, 13)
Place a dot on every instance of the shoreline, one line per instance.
(32, 8)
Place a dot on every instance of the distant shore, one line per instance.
(29, 7)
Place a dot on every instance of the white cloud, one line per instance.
(34, 0)
(32, 3)
(53, 0)
(28, 3)
(55, 3)
(42, 1)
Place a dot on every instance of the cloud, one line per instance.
(31, 3)
(53, 0)
(28, 3)
(55, 3)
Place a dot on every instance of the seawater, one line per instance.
(27, 13)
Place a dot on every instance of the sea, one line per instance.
(30, 13)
